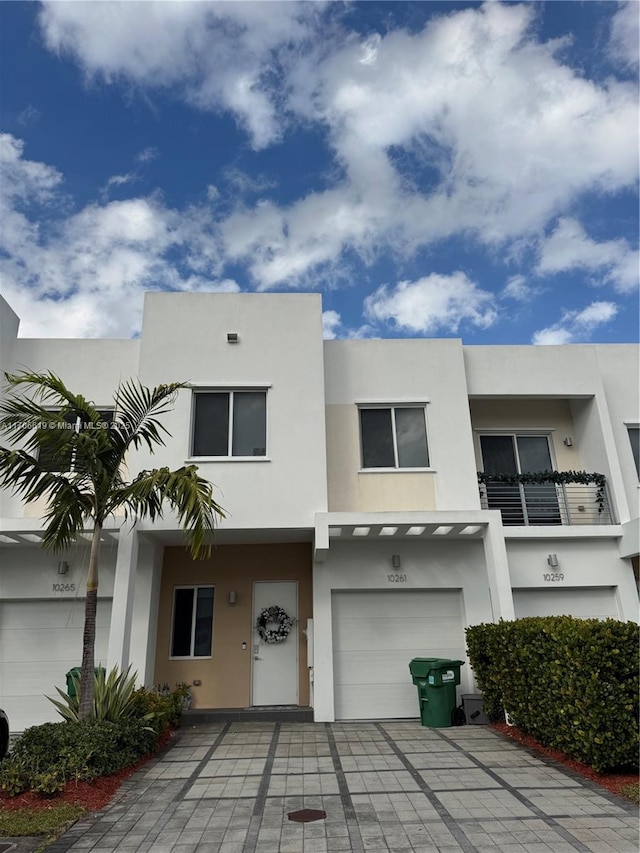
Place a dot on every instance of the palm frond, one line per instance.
(184, 491)
(137, 411)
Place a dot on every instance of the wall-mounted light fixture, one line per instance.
(232, 338)
(552, 560)
(233, 597)
(568, 441)
(396, 562)
(63, 567)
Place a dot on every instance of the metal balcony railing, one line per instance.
(545, 502)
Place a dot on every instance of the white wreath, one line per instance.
(270, 615)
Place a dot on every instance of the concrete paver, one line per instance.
(388, 787)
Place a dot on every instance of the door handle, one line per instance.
(257, 657)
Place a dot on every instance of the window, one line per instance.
(64, 461)
(634, 438)
(230, 423)
(535, 503)
(192, 626)
(394, 437)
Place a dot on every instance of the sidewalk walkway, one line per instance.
(389, 786)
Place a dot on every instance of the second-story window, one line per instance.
(394, 437)
(634, 438)
(230, 423)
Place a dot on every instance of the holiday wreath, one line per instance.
(270, 616)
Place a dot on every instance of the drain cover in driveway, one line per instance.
(307, 815)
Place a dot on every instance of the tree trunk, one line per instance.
(85, 709)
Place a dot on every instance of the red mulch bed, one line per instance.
(92, 796)
(613, 782)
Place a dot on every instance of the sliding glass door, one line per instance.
(535, 503)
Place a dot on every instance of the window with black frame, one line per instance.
(192, 622)
(229, 424)
(394, 437)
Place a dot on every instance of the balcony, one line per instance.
(547, 497)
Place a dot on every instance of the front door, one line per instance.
(275, 665)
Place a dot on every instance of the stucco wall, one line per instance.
(354, 490)
(366, 565)
(548, 416)
(226, 676)
(396, 372)
(583, 563)
(184, 338)
(31, 572)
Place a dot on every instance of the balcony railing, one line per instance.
(547, 497)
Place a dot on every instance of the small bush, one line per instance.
(45, 757)
(570, 683)
(159, 709)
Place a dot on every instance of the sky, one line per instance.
(433, 169)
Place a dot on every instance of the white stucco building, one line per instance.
(349, 473)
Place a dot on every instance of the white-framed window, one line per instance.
(229, 423)
(634, 439)
(192, 622)
(65, 462)
(394, 436)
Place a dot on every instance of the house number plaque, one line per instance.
(63, 587)
(396, 578)
(553, 577)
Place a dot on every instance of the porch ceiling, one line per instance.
(408, 531)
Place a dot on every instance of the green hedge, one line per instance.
(570, 683)
(45, 757)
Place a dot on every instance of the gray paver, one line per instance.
(404, 789)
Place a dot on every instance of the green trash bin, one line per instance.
(436, 680)
(74, 673)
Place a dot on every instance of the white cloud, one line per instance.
(576, 326)
(331, 322)
(625, 34)
(435, 302)
(147, 154)
(214, 55)
(504, 134)
(117, 181)
(86, 274)
(569, 247)
(518, 289)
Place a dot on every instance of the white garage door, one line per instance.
(40, 641)
(582, 602)
(375, 635)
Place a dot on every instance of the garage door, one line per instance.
(375, 635)
(40, 641)
(582, 602)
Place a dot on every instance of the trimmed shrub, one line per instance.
(47, 756)
(570, 683)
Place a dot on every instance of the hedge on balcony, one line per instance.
(570, 683)
(558, 478)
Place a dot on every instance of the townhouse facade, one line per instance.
(373, 490)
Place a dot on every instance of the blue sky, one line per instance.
(433, 169)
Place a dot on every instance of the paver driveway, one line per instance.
(388, 786)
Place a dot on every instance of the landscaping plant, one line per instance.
(570, 683)
(114, 697)
(81, 472)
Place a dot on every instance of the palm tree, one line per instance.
(67, 453)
